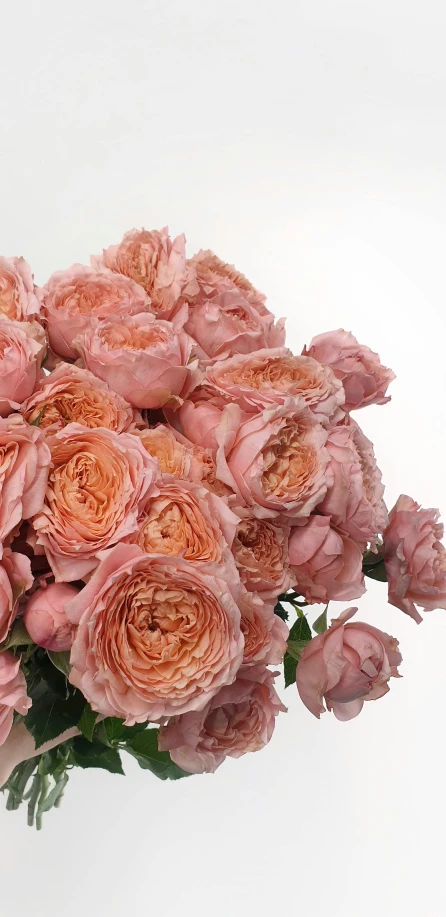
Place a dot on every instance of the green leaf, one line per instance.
(377, 572)
(289, 669)
(87, 722)
(296, 648)
(281, 612)
(61, 661)
(92, 754)
(298, 639)
(300, 630)
(320, 625)
(18, 636)
(51, 715)
(144, 747)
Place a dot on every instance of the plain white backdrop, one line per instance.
(306, 142)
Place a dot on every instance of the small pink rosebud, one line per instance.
(45, 618)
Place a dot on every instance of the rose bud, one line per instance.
(45, 619)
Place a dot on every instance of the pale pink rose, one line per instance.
(98, 484)
(173, 456)
(326, 563)
(71, 394)
(72, 298)
(22, 349)
(45, 618)
(347, 665)
(145, 360)
(229, 324)
(355, 499)
(415, 558)
(155, 636)
(260, 550)
(360, 370)
(208, 276)
(15, 579)
(199, 419)
(12, 693)
(265, 633)
(153, 261)
(24, 464)
(276, 461)
(18, 300)
(239, 719)
(270, 377)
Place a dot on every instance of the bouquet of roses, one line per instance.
(174, 483)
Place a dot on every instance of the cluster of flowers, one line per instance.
(171, 475)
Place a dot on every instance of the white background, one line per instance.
(306, 142)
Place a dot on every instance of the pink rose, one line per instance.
(25, 462)
(12, 693)
(239, 719)
(98, 484)
(270, 377)
(18, 300)
(173, 456)
(155, 636)
(327, 564)
(415, 558)
(199, 420)
(145, 360)
(355, 499)
(348, 664)
(74, 395)
(45, 618)
(276, 462)
(72, 298)
(229, 324)
(260, 550)
(208, 276)
(265, 633)
(360, 370)
(153, 261)
(15, 579)
(22, 349)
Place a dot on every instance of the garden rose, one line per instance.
(173, 456)
(260, 550)
(239, 719)
(155, 636)
(98, 484)
(326, 563)
(71, 394)
(15, 579)
(199, 420)
(45, 618)
(265, 633)
(347, 665)
(24, 464)
(276, 462)
(72, 298)
(12, 693)
(360, 370)
(18, 300)
(229, 324)
(355, 498)
(415, 558)
(153, 261)
(270, 377)
(22, 349)
(145, 360)
(208, 276)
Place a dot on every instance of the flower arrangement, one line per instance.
(174, 484)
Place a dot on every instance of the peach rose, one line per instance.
(276, 462)
(24, 465)
(239, 719)
(208, 276)
(229, 324)
(15, 579)
(145, 360)
(45, 618)
(155, 636)
(347, 665)
(173, 456)
(355, 499)
(12, 693)
(153, 261)
(360, 370)
(22, 349)
(98, 484)
(415, 558)
(269, 377)
(265, 633)
(326, 563)
(260, 550)
(18, 300)
(74, 395)
(72, 298)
